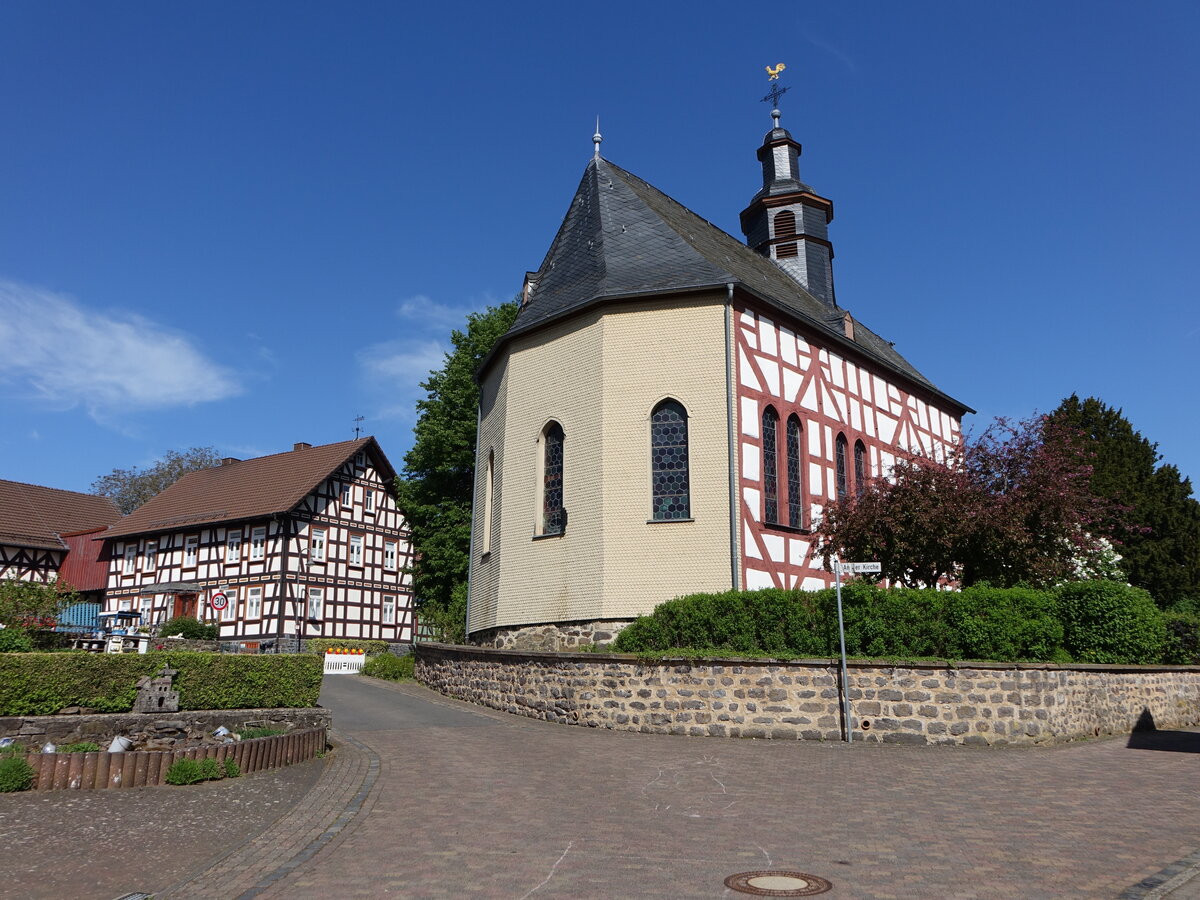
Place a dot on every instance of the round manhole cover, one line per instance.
(777, 883)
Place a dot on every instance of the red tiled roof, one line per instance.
(83, 568)
(247, 489)
(34, 516)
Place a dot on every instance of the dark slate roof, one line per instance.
(35, 516)
(623, 238)
(247, 489)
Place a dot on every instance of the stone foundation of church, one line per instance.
(976, 703)
(552, 638)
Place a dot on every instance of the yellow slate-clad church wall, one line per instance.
(600, 376)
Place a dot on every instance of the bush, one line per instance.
(1183, 638)
(320, 645)
(79, 747)
(15, 640)
(394, 668)
(249, 734)
(13, 749)
(33, 684)
(187, 627)
(15, 774)
(211, 770)
(184, 771)
(232, 769)
(1110, 622)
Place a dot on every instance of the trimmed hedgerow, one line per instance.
(1110, 622)
(1183, 638)
(34, 684)
(320, 645)
(980, 622)
(394, 668)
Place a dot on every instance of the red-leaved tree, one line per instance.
(1011, 506)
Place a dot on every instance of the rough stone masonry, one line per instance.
(919, 703)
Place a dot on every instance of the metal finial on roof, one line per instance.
(776, 91)
(596, 139)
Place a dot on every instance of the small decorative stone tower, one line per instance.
(788, 221)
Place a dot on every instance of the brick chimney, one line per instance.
(300, 445)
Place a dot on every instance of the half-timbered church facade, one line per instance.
(278, 549)
(673, 409)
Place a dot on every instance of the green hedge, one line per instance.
(43, 683)
(394, 668)
(320, 645)
(1096, 621)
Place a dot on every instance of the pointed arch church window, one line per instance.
(554, 516)
(795, 486)
(770, 465)
(860, 468)
(842, 487)
(669, 471)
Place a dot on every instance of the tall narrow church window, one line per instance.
(770, 465)
(785, 226)
(553, 514)
(795, 488)
(670, 483)
(488, 487)
(842, 487)
(860, 468)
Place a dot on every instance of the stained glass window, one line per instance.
(770, 465)
(669, 462)
(841, 467)
(795, 490)
(860, 468)
(554, 517)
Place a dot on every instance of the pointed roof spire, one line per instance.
(596, 139)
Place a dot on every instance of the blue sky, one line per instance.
(243, 225)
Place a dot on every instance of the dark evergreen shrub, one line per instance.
(1183, 639)
(1110, 622)
(187, 627)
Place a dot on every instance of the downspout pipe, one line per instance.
(474, 506)
(734, 567)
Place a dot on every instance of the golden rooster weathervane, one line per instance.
(773, 73)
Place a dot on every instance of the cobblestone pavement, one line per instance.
(427, 797)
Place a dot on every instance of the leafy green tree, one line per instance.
(435, 488)
(31, 604)
(1010, 506)
(130, 488)
(1160, 550)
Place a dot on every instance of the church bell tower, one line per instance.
(787, 221)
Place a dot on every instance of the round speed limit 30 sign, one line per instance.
(218, 600)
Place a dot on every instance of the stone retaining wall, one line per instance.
(100, 728)
(919, 703)
(553, 637)
(95, 771)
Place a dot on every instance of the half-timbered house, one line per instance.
(275, 550)
(45, 534)
(673, 409)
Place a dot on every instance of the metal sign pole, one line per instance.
(837, 569)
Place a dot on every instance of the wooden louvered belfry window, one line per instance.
(785, 227)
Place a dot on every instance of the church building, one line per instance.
(673, 409)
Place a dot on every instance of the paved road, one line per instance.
(426, 797)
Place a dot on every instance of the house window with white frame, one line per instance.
(258, 542)
(356, 550)
(150, 558)
(191, 546)
(316, 602)
(130, 558)
(316, 547)
(389, 610)
(147, 609)
(233, 548)
(347, 496)
(369, 501)
(230, 603)
(254, 603)
(390, 549)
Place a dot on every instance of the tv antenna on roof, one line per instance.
(357, 427)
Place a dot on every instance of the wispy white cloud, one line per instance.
(395, 370)
(834, 51)
(425, 312)
(55, 350)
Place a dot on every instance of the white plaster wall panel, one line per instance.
(803, 346)
(823, 356)
(873, 451)
(809, 400)
(864, 384)
(797, 551)
(816, 476)
(792, 381)
(753, 500)
(766, 336)
(775, 547)
(792, 579)
(831, 484)
(814, 438)
(751, 544)
(837, 369)
(887, 462)
(756, 580)
(841, 402)
(750, 417)
(813, 583)
(879, 386)
(829, 443)
(746, 376)
(748, 318)
(787, 346)
(750, 460)
(887, 428)
(770, 373)
(751, 336)
(869, 422)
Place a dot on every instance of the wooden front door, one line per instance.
(185, 605)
